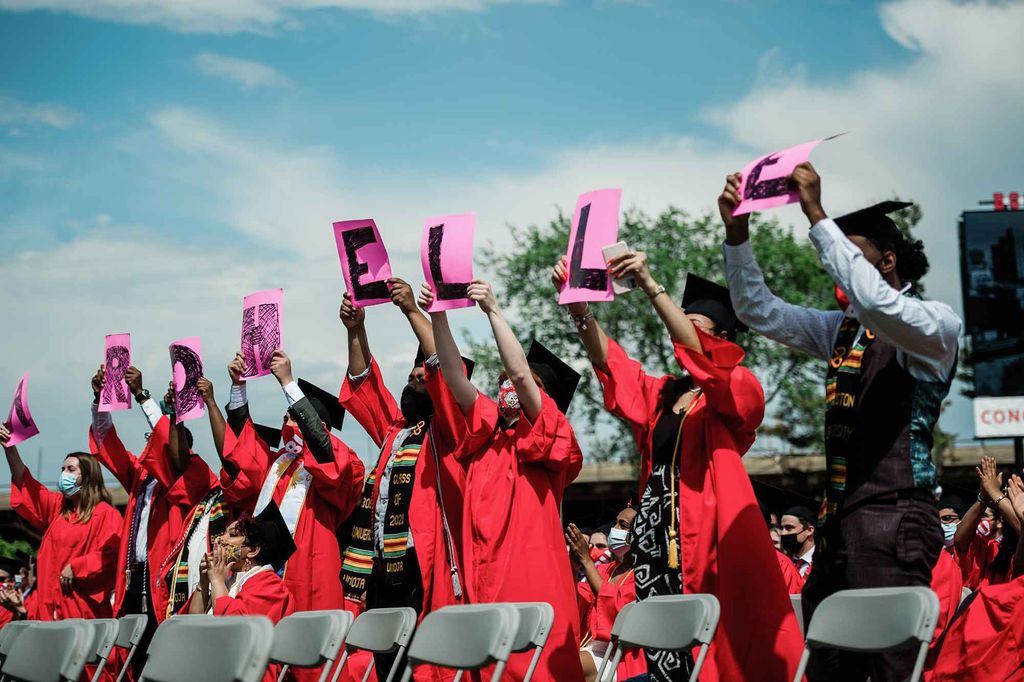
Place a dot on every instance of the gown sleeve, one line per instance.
(448, 425)
(34, 502)
(370, 403)
(338, 482)
(264, 594)
(549, 440)
(113, 455)
(250, 454)
(732, 392)
(105, 535)
(630, 393)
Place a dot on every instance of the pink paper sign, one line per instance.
(447, 255)
(763, 181)
(187, 368)
(364, 261)
(117, 359)
(261, 330)
(19, 419)
(595, 225)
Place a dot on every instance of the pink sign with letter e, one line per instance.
(261, 330)
(595, 225)
(116, 360)
(763, 180)
(447, 256)
(187, 369)
(19, 419)
(364, 262)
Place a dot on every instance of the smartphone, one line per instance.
(622, 285)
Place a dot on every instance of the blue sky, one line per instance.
(159, 160)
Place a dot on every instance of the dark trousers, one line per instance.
(137, 599)
(892, 544)
(384, 595)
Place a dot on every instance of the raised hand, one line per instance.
(351, 316)
(579, 548)
(217, 566)
(134, 378)
(633, 264)
(426, 297)
(1015, 491)
(5, 433)
(807, 183)
(559, 273)
(737, 228)
(482, 292)
(205, 387)
(236, 368)
(402, 295)
(281, 367)
(990, 482)
(169, 396)
(97, 382)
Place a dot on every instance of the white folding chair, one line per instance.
(466, 637)
(9, 634)
(130, 630)
(671, 623)
(380, 631)
(225, 649)
(873, 620)
(104, 634)
(49, 652)
(798, 608)
(310, 639)
(535, 621)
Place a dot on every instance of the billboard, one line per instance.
(992, 270)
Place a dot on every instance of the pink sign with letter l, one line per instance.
(763, 180)
(187, 369)
(116, 360)
(364, 262)
(595, 225)
(447, 256)
(19, 419)
(261, 330)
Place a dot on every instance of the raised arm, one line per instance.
(1015, 490)
(805, 329)
(595, 341)
(448, 354)
(513, 358)
(238, 403)
(402, 296)
(178, 453)
(316, 435)
(14, 462)
(217, 423)
(358, 346)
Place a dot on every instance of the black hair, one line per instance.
(673, 388)
(911, 261)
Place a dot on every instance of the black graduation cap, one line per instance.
(10, 565)
(326, 405)
(421, 358)
(278, 545)
(874, 222)
(776, 499)
(269, 435)
(952, 502)
(704, 297)
(806, 515)
(560, 380)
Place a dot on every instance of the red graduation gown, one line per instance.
(986, 643)
(88, 547)
(790, 575)
(947, 584)
(513, 541)
(604, 609)
(975, 563)
(312, 575)
(168, 508)
(722, 537)
(370, 404)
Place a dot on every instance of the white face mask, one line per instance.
(618, 541)
(948, 531)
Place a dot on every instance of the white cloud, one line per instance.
(16, 112)
(248, 74)
(231, 16)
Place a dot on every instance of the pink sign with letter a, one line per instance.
(116, 360)
(447, 256)
(595, 225)
(364, 262)
(19, 419)
(261, 330)
(763, 180)
(187, 369)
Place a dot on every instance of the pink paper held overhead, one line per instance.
(262, 323)
(364, 262)
(187, 369)
(763, 180)
(116, 360)
(595, 225)
(446, 252)
(19, 419)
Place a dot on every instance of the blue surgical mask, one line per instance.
(618, 541)
(68, 484)
(948, 531)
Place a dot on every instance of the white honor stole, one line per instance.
(295, 494)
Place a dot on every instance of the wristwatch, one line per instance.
(142, 396)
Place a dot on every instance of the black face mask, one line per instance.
(415, 406)
(790, 544)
